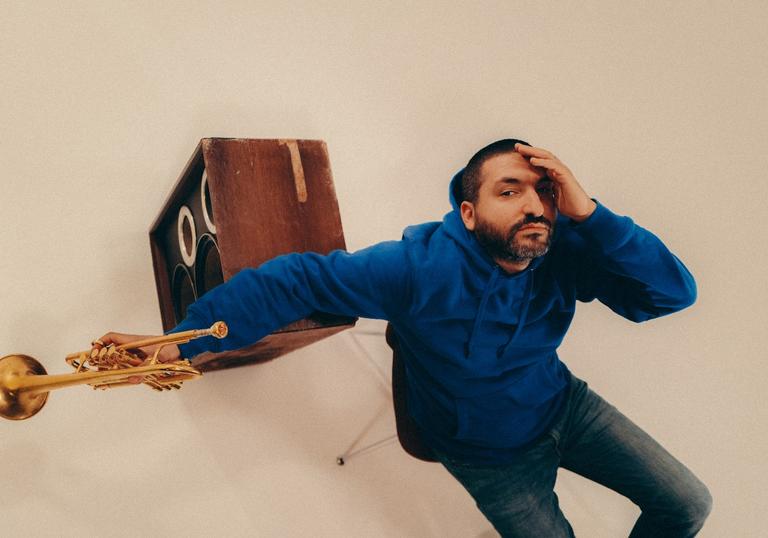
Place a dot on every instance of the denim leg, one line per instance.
(518, 498)
(598, 442)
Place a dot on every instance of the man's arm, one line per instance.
(628, 268)
(623, 265)
(373, 282)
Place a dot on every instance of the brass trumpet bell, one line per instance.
(24, 384)
(16, 403)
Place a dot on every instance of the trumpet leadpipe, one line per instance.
(217, 330)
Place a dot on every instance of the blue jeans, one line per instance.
(592, 438)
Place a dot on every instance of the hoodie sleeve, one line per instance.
(372, 283)
(629, 269)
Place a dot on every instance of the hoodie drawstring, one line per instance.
(480, 311)
(523, 314)
(524, 308)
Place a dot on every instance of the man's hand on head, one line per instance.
(571, 199)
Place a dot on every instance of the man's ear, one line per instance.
(468, 215)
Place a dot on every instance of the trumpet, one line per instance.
(24, 383)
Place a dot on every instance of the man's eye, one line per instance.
(508, 193)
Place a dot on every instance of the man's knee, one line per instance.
(685, 509)
(699, 504)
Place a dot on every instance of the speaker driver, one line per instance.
(183, 290)
(187, 236)
(208, 273)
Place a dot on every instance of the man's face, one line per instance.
(514, 215)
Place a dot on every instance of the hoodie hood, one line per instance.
(454, 192)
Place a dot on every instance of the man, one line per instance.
(479, 303)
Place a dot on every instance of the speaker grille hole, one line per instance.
(205, 196)
(208, 266)
(187, 236)
(183, 290)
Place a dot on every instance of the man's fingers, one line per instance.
(168, 353)
(106, 340)
(554, 166)
(122, 339)
(532, 151)
(117, 339)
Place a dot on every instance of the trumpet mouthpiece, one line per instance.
(219, 329)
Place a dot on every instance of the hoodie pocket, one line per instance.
(508, 416)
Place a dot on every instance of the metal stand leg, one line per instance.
(386, 384)
(341, 460)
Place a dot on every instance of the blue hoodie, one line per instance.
(479, 345)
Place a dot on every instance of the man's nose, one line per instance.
(532, 204)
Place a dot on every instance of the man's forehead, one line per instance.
(510, 166)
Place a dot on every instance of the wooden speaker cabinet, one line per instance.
(237, 204)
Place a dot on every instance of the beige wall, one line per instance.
(658, 108)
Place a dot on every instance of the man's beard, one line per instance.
(507, 246)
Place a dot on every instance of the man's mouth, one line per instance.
(535, 227)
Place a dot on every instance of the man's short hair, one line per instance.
(470, 179)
